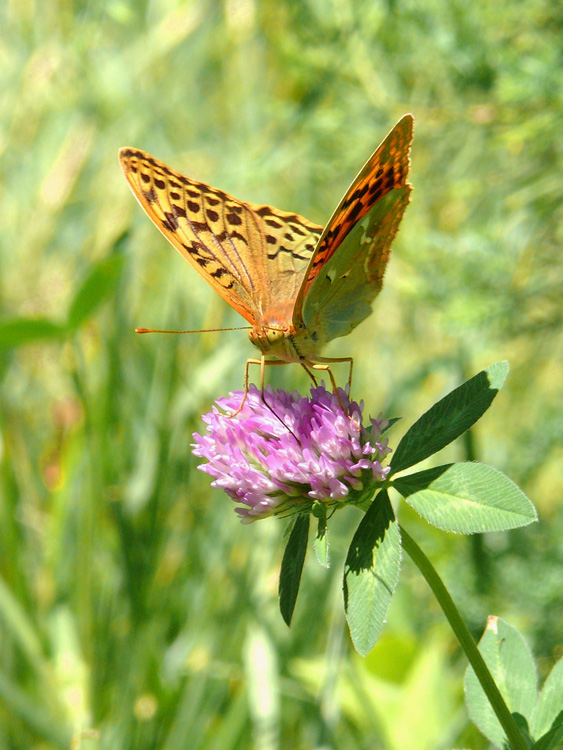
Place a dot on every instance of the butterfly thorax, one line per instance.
(276, 335)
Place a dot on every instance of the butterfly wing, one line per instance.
(341, 296)
(339, 287)
(251, 255)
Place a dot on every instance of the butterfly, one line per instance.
(297, 284)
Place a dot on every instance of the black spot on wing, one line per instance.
(281, 249)
(375, 187)
(358, 194)
(178, 211)
(171, 222)
(352, 216)
(232, 235)
(198, 226)
(390, 181)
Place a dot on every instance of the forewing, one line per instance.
(239, 248)
(290, 240)
(341, 296)
(387, 169)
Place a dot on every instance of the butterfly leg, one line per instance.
(262, 362)
(331, 360)
(246, 378)
(326, 368)
(324, 365)
(309, 373)
(350, 373)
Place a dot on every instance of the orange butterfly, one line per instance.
(297, 284)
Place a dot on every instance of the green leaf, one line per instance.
(552, 740)
(512, 667)
(549, 703)
(467, 498)
(371, 573)
(292, 566)
(19, 331)
(320, 544)
(449, 418)
(99, 284)
(522, 725)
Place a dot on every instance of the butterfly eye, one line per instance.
(274, 335)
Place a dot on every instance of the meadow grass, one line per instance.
(132, 601)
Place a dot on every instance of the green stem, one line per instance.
(466, 641)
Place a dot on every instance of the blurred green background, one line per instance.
(132, 601)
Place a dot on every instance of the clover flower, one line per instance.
(287, 454)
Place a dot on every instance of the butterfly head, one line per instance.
(284, 342)
(272, 330)
(269, 339)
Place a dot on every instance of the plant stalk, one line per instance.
(466, 641)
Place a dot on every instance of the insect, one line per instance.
(297, 284)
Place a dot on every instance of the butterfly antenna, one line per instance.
(202, 330)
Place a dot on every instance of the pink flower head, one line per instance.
(284, 455)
